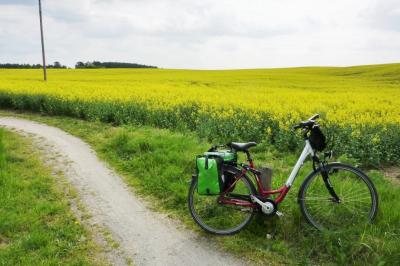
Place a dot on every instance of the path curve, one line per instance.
(148, 238)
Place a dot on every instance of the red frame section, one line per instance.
(282, 191)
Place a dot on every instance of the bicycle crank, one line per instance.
(268, 207)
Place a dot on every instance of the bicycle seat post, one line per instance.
(249, 158)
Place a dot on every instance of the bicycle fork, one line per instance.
(325, 175)
(328, 184)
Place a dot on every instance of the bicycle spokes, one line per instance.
(218, 214)
(356, 200)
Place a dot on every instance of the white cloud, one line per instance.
(204, 34)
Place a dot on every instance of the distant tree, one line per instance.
(57, 64)
(96, 64)
(79, 64)
(89, 65)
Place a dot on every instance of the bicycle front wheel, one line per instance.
(358, 198)
(219, 218)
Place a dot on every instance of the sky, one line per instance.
(203, 34)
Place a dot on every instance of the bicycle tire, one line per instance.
(251, 211)
(347, 197)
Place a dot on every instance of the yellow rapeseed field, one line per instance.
(356, 97)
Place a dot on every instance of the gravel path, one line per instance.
(148, 238)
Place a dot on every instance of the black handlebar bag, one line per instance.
(317, 139)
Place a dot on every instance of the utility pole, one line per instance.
(41, 35)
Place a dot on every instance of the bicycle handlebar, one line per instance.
(307, 124)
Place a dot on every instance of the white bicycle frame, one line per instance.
(268, 207)
(308, 150)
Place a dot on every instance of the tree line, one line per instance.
(98, 64)
(93, 64)
(31, 66)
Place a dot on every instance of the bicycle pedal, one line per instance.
(279, 214)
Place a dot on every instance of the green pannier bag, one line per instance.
(209, 172)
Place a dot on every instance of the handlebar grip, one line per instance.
(316, 116)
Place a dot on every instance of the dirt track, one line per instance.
(148, 238)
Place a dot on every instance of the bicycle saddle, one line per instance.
(241, 146)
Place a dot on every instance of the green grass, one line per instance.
(36, 224)
(159, 163)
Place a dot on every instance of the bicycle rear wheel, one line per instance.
(218, 218)
(358, 198)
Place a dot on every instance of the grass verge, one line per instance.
(36, 224)
(158, 164)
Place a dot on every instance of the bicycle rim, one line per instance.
(358, 199)
(222, 219)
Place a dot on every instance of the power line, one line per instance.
(41, 35)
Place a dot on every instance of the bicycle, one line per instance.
(332, 196)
